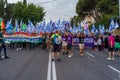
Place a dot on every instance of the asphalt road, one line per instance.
(37, 65)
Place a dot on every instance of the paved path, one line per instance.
(36, 65)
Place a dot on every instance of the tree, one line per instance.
(9, 11)
(85, 7)
(3, 4)
(99, 9)
(30, 11)
(24, 2)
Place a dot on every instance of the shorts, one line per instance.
(48, 42)
(69, 46)
(64, 43)
(81, 45)
(117, 45)
(110, 49)
(95, 46)
(56, 48)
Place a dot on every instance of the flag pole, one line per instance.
(119, 12)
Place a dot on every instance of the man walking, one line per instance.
(56, 38)
(2, 45)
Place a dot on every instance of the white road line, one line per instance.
(90, 54)
(114, 69)
(49, 68)
(54, 71)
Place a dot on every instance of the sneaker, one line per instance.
(108, 58)
(81, 55)
(7, 57)
(1, 58)
(69, 56)
(112, 58)
(58, 60)
(17, 49)
(66, 52)
(20, 48)
(63, 53)
(53, 59)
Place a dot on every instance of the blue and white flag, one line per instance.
(93, 30)
(101, 29)
(9, 28)
(116, 25)
(21, 23)
(16, 29)
(80, 28)
(112, 26)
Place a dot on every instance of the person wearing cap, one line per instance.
(56, 42)
(2, 45)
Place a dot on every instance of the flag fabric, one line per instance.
(101, 29)
(0, 21)
(58, 23)
(93, 30)
(21, 23)
(9, 28)
(86, 29)
(116, 25)
(80, 28)
(24, 27)
(2, 24)
(112, 26)
(10, 22)
(16, 29)
(85, 26)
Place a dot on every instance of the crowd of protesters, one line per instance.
(59, 42)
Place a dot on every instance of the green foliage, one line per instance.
(29, 11)
(9, 11)
(24, 2)
(84, 7)
(2, 7)
(105, 6)
(101, 10)
(75, 20)
(21, 10)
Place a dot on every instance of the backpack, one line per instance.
(57, 39)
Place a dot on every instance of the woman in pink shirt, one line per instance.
(111, 44)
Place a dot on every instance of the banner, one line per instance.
(32, 40)
(23, 37)
(89, 41)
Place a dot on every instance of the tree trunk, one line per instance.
(97, 14)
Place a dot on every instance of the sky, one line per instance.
(63, 9)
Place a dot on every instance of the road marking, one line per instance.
(114, 69)
(49, 68)
(90, 54)
(54, 76)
